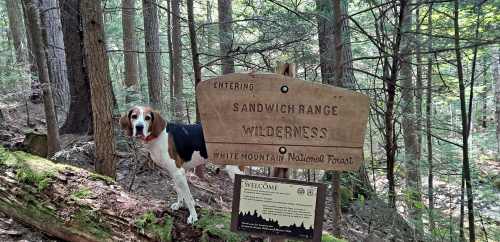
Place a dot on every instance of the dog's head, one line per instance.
(141, 122)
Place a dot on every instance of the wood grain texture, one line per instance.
(322, 127)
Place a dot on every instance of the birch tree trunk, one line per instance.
(56, 57)
(33, 18)
(178, 84)
(226, 35)
(100, 87)
(78, 79)
(130, 49)
(153, 56)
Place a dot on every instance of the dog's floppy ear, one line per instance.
(159, 124)
(125, 124)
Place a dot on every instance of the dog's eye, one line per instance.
(147, 118)
(134, 116)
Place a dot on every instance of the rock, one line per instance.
(36, 143)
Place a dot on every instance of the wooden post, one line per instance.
(287, 69)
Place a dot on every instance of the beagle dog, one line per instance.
(174, 147)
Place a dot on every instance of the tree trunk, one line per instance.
(178, 84)
(56, 57)
(484, 95)
(100, 87)
(338, 69)
(391, 75)
(77, 205)
(79, 119)
(43, 75)
(412, 168)
(465, 129)
(130, 50)
(31, 57)
(495, 69)
(16, 29)
(196, 66)
(226, 35)
(153, 56)
(170, 59)
(428, 111)
(287, 69)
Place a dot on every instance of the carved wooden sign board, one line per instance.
(263, 119)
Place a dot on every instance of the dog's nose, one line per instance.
(139, 127)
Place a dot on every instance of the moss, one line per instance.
(209, 226)
(329, 238)
(30, 168)
(92, 222)
(106, 179)
(148, 221)
(47, 210)
(496, 183)
(82, 193)
(33, 132)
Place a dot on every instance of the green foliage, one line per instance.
(82, 193)
(218, 225)
(148, 221)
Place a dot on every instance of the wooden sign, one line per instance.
(262, 119)
(278, 207)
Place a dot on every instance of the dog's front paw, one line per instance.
(177, 205)
(192, 219)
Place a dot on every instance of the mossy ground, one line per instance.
(82, 193)
(107, 179)
(148, 221)
(218, 225)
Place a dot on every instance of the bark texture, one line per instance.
(79, 119)
(100, 87)
(196, 67)
(33, 20)
(16, 29)
(153, 56)
(178, 85)
(412, 167)
(326, 41)
(56, 57)
(226, 35)
(496, 90)
(130, 49)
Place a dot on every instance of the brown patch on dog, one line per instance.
(158, 123)
(125, 123)
(242, 168)
(172, 151)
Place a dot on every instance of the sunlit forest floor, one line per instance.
(370, 220)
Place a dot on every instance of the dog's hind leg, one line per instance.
(184, 194)
(233, 170)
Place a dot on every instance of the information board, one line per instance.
(264, 119)
(278, 207)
